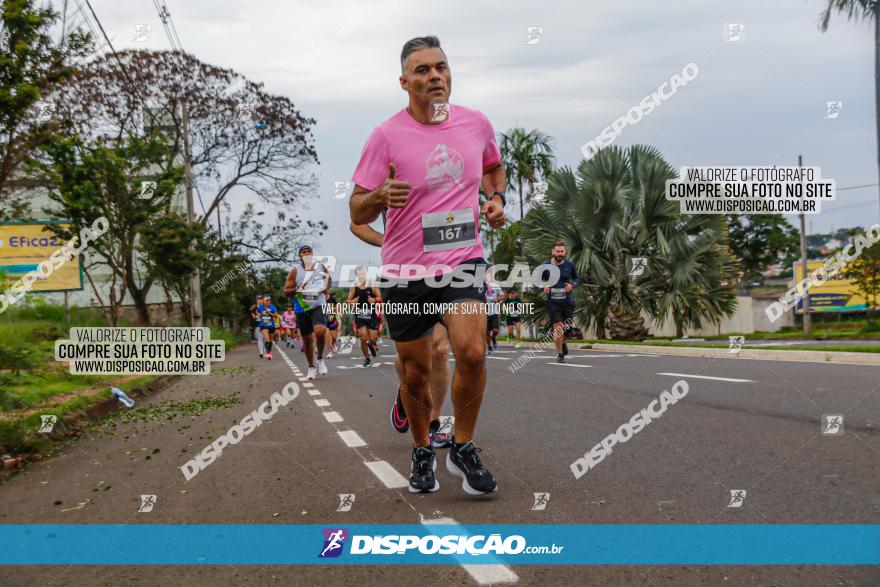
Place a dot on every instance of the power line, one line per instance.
(168, 24)
(122, 67)
(857, 187)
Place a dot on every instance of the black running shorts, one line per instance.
(561, 311)
(406, 326)
(368, 323)
(306, 321)
(493, 322)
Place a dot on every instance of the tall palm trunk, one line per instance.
(521, 198)
(624, 325)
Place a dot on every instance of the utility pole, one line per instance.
(196, 281)
(808, 325)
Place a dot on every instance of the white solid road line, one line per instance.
(687, 376)
(484, 574)
(322, 403)
(497, 358)
(387, 474)
(351, 438)
(332, 417)
(568, 364)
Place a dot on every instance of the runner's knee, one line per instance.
(416, 377)
(471, 356)
(440, 350)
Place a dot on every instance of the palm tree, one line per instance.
(861, 10)
(527, 157)
(613, 209)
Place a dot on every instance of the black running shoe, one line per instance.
(421, 476)
(399, 421)
(560, 358)
(464, 462)
(564, 348)
(372, 349)
(438, 439)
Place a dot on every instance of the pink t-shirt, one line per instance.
(444, 165)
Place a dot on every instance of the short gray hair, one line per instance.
(418, 43)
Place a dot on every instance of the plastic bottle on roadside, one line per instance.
(120, 395)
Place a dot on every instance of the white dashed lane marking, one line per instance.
(351, 438)
(484, 574)
(387, 474)
(332, 416)
(687, 376)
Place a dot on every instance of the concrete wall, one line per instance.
(749, 317)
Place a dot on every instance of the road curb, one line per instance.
(763, 354)
(839, 357)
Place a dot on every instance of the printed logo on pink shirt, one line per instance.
(445, 167)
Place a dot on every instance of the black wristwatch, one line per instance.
(503, 199)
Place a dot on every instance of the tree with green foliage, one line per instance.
(865, 273)
(507, 246)
(613, 209)
(174, 249)
(527, 157)
(242, 137)
(760, 240)
(90, 179)
(31, 65)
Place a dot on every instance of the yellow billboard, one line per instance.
(24, 246)
(838, 294)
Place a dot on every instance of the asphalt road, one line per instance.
(744, 424)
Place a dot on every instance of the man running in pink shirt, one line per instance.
(424, 167)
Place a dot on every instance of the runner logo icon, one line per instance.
(334, 541)
(147, 504)
(346, 344)
(47, 423)
(737, 497)
(541, 501)
(736, 344)
(832, 424)
(346, 500)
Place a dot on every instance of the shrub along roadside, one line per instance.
(19, 435)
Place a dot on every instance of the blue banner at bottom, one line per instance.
(526, 544)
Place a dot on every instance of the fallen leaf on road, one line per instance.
(78, 506)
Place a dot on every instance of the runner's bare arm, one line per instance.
(351, 295)
(290, 283)
(365, 205)
(368, 234)
(377, 295)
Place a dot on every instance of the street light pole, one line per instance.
(808, 324)
(196, 281)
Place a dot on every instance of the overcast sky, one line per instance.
(760, 101)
